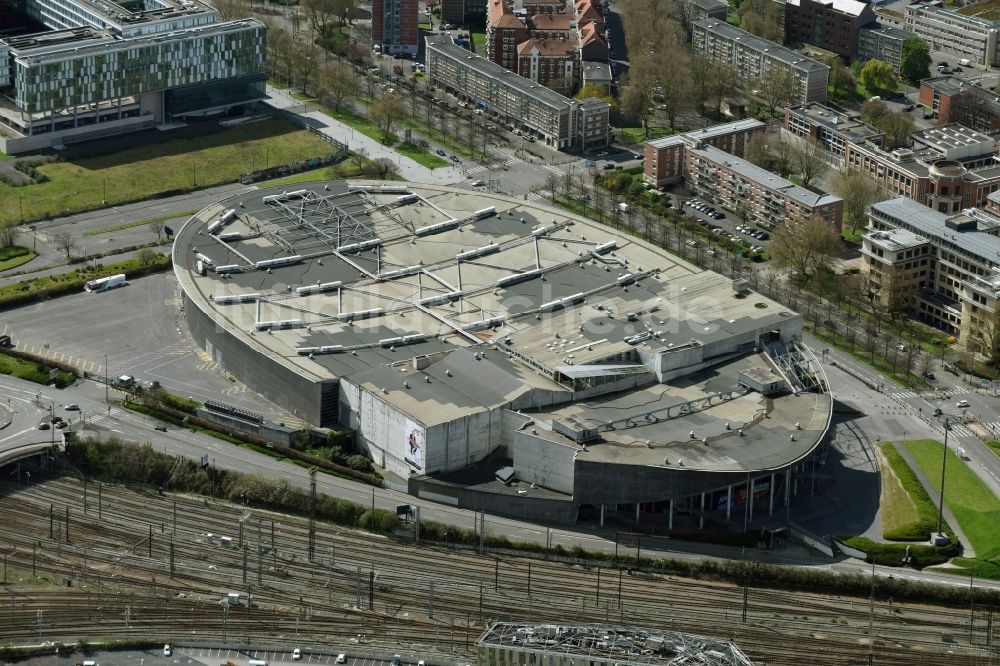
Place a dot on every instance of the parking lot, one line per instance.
(723, 224)
(141, 331)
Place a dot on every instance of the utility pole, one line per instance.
(312, 513)
(244, 563)
(100, 486)
(67, 524)
(172, 560)
(107, 394)
(871, 611)
(150, 541)
(944, 462)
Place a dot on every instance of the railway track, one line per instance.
(428, 597)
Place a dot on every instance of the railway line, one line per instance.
(144, 563)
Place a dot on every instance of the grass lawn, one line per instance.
(139, 223)
(356, 122)
(421, 156)
(164, 162)
(994, 446)
(433, 134)
(346, 169)
(33, 372)
(975, 507)
(908, 513)
(852, 236)
(14, 256)
(80, 275)
(632, 135)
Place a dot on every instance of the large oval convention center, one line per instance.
(507, 356)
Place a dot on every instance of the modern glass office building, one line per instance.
(108, 69)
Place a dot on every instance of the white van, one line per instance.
(964, 62)
(257, 662)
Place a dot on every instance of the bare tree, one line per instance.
(804, 246)
(157, 227)
(64, 241)
(775, 87)
(637, 95)
(673, 78)
(384, 113)
(809, 159)
(859, 191)
(8, 233)
(337, 82)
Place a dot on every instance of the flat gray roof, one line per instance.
(708, 132)
(443, 44)
(761, 45)
(928, 222)
(770, 180)
(851, 128)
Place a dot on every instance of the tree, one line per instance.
(303, 59)
(318, 12)
(877, 76)
(720, 81)
(598, 92)
(763, 18)
(776, 86)
(674, 79)
(385, 167)
(841, 78)
(64, 241)
(969, 108)
(915, 60)
(873, 112)
(157, 227)
(8, 232)
(637, 95)
(804, 246)
(337, 83)
(859, 191)
(809, 159)
(384, 113)
(898, 128)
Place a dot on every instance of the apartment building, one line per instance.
(664, 160)
(955, 270)
(882, 42)
(829, 24)
(460, 12)
(705, 9)
(952, 31)
(833, 129)
(754, 58)
(758, 196)
(395, 26)
(550, 63)
(953, 100)
(108, 69)
(541, 113)
(897, 263)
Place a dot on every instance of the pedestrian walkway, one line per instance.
(358, 142)
(480, 170)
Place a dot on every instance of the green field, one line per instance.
(159, 163)
(994, 446)
(907, 511)
(33, 372)
(421, 156)
(975, 507)
(633, 135)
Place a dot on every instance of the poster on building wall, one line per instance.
(413, 447)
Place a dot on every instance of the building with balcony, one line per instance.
(395, 26)
(756, 195)
(882, 42)
(109, 69)
(832, 128)
(951, 260)
(829, 24)
(541, 113)
(755, 58)
(953, 100)
(664, 160)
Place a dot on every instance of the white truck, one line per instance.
(623, 207)
(105, 283)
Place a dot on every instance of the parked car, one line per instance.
(72, 407)
(341, 658)
(441, 152)
(297, 654)
(167, 651)
(962, 404)
(44, 425)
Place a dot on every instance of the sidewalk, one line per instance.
(356, 141)
(968, 551)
